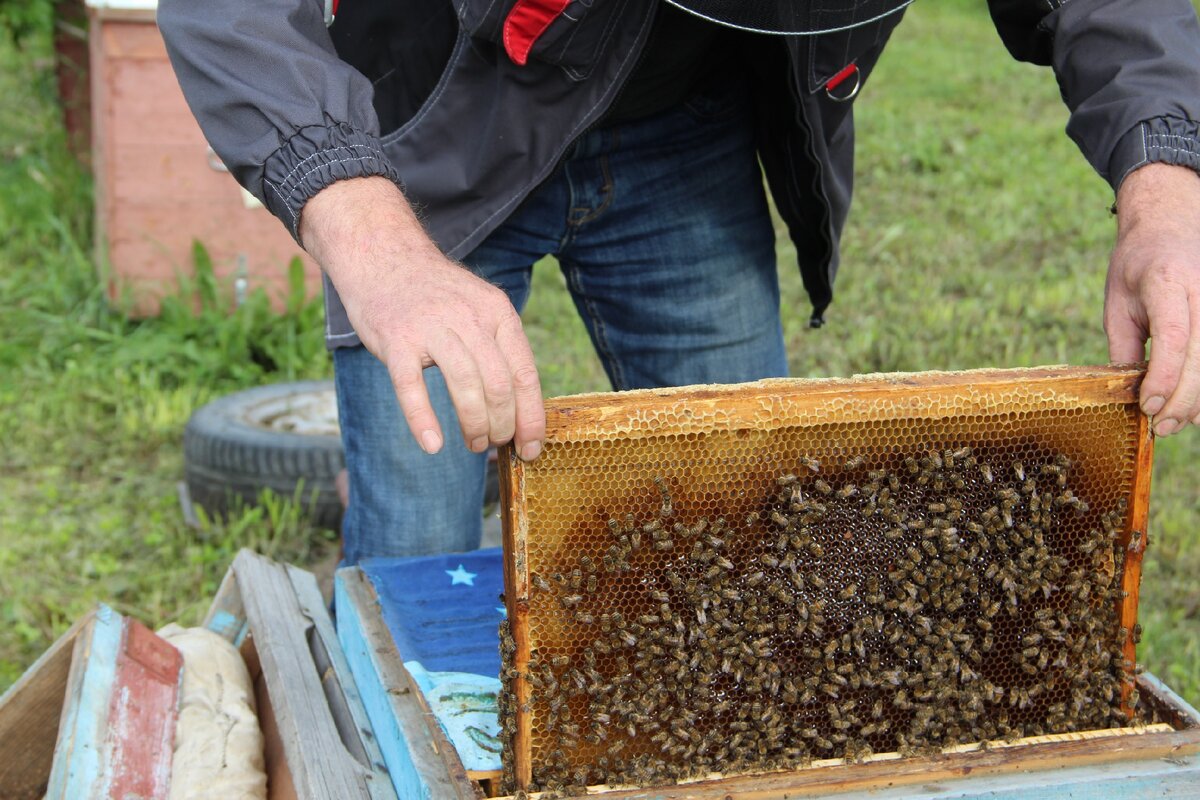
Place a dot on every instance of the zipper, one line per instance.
(817, 319)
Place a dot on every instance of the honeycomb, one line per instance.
(750, 578)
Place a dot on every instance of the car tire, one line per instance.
(269, 437)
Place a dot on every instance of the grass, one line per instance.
(979, 238)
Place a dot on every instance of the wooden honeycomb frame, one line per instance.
(622, 423)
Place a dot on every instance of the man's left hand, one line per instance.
(1153, 290)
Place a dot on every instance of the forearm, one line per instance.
(358, 225)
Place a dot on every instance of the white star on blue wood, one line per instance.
(503, 611)
(460, 575)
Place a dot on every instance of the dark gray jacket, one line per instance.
(421, 91)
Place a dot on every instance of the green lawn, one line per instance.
(979, 238)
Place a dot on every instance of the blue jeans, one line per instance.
(662, 231)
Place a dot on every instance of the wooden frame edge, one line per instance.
(516, 601)
(603, 412)
(420, 760)
(1134, 541)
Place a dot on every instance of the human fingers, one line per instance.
(1183, 403)
(465, 383)
(497, 389)
(530, 428)
(1170, 329)
(1126, 335)
(408, 379)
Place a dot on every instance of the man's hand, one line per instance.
(413, 308)
(1153, 290)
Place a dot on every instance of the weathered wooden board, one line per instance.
(422, 763)
(29, 714)
(118, 713)
(308, 702)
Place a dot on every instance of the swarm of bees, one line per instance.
(922, 601)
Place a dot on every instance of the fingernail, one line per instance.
(431, 442)
(530, 451)
(1166, 427)
(1153, 405)
(479, 444)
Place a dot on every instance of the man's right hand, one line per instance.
(413, 308)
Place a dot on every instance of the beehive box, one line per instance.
(765, 577)
(159, 187)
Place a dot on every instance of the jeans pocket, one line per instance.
(573, 39)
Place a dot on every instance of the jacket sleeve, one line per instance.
(285, 115)
(1128, 70)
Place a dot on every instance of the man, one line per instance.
(625, 136)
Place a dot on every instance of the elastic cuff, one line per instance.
(313, 158)
(1161, 140)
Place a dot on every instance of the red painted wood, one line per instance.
(142, 714)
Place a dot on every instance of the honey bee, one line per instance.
(854, 463)
(812, 464)
(665, 493)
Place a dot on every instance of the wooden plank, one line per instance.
(403, 728)
(77, 766)
(638, 413)
(1170, 707)
(1119, 753)
(341, 691)
(29, 715)
(279, 777)
(319, 763)
(142, 713)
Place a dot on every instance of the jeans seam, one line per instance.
(603, 348)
